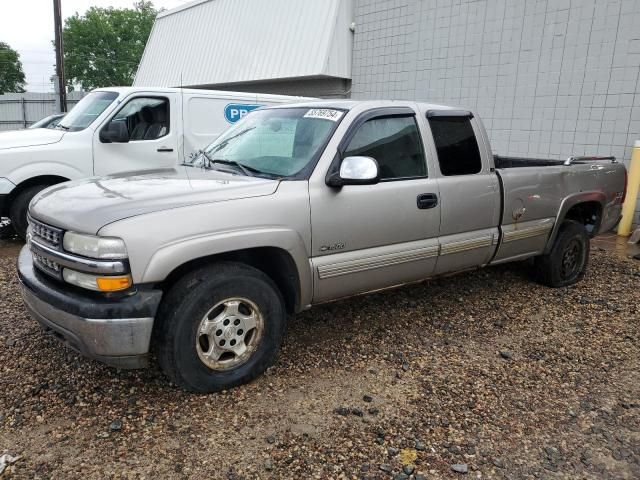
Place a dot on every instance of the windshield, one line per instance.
(278, 142)
(87, 110)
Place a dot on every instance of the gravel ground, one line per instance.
(485, 373)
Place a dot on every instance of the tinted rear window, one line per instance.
(458, 152)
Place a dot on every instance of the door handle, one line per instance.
(165, 149)
(427, 200)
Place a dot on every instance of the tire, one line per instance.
(229, 295)
(567, 262)
(20, 206)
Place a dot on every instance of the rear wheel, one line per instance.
(20, 206)
(567, 262)
(220, 327)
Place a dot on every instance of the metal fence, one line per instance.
(19, 110)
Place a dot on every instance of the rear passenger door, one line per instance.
(366, 237)
(152, 136)
(469, 192)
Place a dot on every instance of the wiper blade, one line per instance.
(63, 127)
(245, 169)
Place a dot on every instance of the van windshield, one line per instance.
(87, 110)
(278, 142)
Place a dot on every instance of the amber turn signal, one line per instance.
(112, 284)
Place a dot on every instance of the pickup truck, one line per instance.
(294, 206)
(114, 130)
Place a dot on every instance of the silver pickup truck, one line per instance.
(292, 207)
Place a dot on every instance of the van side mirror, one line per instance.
(355, 171)
(115, 132)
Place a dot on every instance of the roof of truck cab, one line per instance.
(366, 104)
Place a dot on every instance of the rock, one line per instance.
(498, 462)
(405, 366)
(367, 398)
(116, 425)
(373, 411)
(10, 342)
(420, 446)
(393, 451)
(400, 476)
(419, 476)
(344, 411)
(460, 467)
(271, 439)
(357, 412)
(506, 354)
(385, 467)
(408, 469)
(268, 464)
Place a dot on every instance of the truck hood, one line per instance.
(88, 205)
(29, 137)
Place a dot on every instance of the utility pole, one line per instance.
(61, 88)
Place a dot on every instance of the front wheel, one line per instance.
(219, 327)
(567, 262)
(20, 206)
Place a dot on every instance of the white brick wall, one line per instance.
(550, 78)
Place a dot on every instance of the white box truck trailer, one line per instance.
(115, 130)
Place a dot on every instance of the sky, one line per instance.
(27, 26)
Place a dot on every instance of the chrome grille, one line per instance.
(44, 233)
(46, 265)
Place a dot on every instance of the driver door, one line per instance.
(150, 131)
(367, 237)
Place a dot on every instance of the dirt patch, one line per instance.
(486, 369)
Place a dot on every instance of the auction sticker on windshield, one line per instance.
(324, 113)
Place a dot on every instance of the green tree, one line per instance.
(103, 47)
(11, 73)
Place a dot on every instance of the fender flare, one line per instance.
(44, 169)
(567, 204)
(171, 256)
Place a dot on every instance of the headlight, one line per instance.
(104, 248)
(97, 283)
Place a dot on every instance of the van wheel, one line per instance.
(20, 206)
(219, 327)
(567, 262)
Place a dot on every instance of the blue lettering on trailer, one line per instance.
(235, 111)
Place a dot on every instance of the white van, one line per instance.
(114, 130)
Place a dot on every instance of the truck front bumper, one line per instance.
(115, 331)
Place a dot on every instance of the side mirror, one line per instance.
(355, 171)
(114, 132)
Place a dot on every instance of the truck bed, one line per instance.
(516, 162)
(502, 162)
